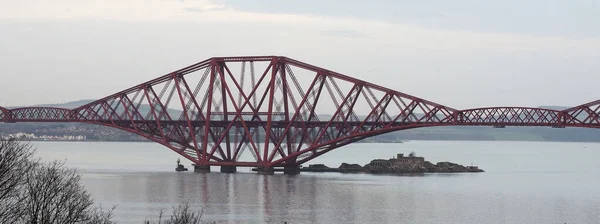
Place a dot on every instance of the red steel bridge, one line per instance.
(270, 111)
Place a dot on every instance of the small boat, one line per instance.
(180, 166)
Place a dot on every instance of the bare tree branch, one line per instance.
(46, 193)
(15, 159)
(181, 214)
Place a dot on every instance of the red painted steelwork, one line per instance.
(3, 113)
(268, 111)
(41, 114)
(586, 115)
(510, 116)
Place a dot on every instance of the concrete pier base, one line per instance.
(265, 170)
(228, 169)
(291, 170)
(202, 168)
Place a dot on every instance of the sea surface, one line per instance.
(524, 182)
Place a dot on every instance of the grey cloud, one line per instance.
(344, 33)
(194, 9)
(201, 10)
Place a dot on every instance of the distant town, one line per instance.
(65, 132)
(33, 137)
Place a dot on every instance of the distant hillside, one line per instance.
(554, 107)
(144, 108)
(67, 105)
(94, 132)
(500, 134)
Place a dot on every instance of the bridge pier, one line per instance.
(291, 170)
(202, 168)
(228, 169)
(265, 170)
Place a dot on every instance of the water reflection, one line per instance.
(251, 198)
(515, 189)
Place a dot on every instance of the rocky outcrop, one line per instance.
(316, 168)
(426, 167)
(413, 168)
(448, 167)
(398, 165)
(350, 168)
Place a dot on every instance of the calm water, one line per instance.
(525, 182)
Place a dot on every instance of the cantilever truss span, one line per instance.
(274, 111)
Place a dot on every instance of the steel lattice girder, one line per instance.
(3, 114)
(277, 110)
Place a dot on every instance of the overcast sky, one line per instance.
(458, 53)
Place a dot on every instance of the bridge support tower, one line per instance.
(265, 170)
(202, 168)
(228, 169)
(291, 170)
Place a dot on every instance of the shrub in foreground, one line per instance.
(35, 192)
(181, 214)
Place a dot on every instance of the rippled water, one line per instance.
(524, 182)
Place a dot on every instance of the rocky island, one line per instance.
(398, 165)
